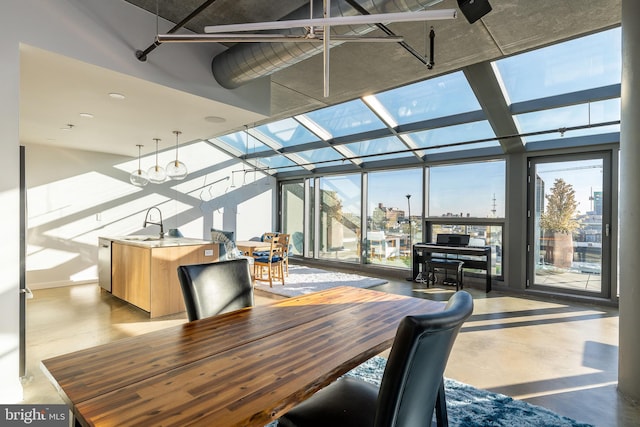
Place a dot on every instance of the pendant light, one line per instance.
(156, 173)
(139, 177)
(176, 170)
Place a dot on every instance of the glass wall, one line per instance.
(566, 94)
(370, 158)
(469, 198)
(464, 198)
(575, 65)
(468, 190)
(394, 216)
(340, 218)
(394, 212)
(313, 227)
(293, 215)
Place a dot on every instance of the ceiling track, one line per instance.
(142, 54)
(429, 63)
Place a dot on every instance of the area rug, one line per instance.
(305, 280)
(471, 407)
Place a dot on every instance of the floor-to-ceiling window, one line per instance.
(469, 198)
(394, 216)
(293, 214)
(312, 214)
(340, 218)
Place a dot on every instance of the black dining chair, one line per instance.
(412, 384)
(216, 288)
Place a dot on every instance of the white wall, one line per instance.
(10, 389)
(75, 196)
(103, 33)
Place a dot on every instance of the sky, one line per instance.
(584, 175)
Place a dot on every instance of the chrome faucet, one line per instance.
(146, 220)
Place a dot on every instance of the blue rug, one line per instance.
(471, 407)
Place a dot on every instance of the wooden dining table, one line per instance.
(243, 368)
(248, 247)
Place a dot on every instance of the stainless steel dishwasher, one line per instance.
(104, 263)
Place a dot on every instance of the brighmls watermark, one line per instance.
(34, 415)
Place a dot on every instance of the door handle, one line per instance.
(27, 292)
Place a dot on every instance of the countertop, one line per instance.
(153, 241)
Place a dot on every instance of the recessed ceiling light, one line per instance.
(116, 95)
(215, 119)
(86, 115)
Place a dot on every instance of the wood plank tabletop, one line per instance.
(242, 368)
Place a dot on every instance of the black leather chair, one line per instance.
(216, 288)
(412, 384)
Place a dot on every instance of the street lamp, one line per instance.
(408, 196)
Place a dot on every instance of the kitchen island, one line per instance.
(144, 269)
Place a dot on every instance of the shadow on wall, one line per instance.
(74, 197)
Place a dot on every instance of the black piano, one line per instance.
(458, 240)
(452, 246)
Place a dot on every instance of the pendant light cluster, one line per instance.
(156, 174)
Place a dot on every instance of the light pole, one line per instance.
(408, 196)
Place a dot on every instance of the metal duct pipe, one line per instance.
(248, 61)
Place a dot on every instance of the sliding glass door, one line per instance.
(569, 218)
(293, 214)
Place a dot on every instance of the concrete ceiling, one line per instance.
(51, 100)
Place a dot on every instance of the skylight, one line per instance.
(438, 97)
(375, 149)
(242, 143)
(584, 63)
(287, 132)
(575, 84)
(456, 138)
(345, 119)
(272, 163)
(322, 157)
(586, 115)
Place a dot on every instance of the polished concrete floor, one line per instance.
(549, 353)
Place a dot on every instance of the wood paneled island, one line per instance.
(144, 270)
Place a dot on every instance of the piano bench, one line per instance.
(447, 265)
